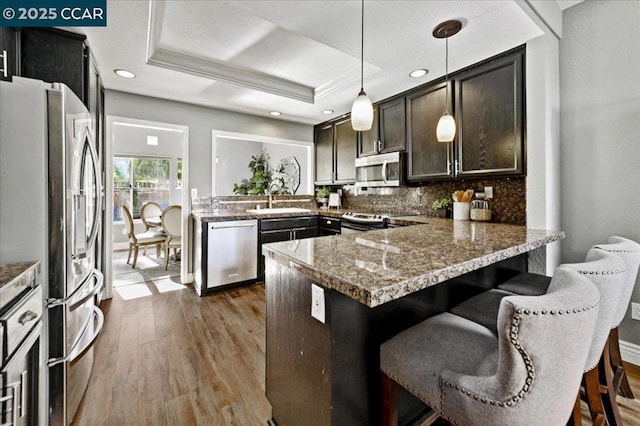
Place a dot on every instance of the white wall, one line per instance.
(201, 121)
(600, 129)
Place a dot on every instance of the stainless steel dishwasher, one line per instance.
(232, 252)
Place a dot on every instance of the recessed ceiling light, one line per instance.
(327, 111)
(418, 73)
(124, 73)
(275, 113)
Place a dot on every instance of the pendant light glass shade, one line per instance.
(362, 113)
(446, 129)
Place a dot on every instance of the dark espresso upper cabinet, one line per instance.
(392, 125)
(9, 42)
(54, 55)
(368, 143)
(388, 133)
(427, 159)
(490, 117)
(324, 153)
(346, 140)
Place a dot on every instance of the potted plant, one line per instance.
(322, 194)
(259, 182)
(442, 207)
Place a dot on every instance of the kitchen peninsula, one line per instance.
(368, 287)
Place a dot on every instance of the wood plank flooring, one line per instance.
(172, 358)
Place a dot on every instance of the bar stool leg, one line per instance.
(608, 391)
(594, 399)
(576, 415)
(620, 381)
(389, 401)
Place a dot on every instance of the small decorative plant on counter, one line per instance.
(322, 194)
(442, 207)
(258, 184)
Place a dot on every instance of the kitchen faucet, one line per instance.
(274, 187)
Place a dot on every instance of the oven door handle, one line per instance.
(76, 352)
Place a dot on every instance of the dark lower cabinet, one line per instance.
(285, 229)
(328, 226)
(426, 157)
(490, 115)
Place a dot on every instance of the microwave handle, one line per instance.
(384, 172)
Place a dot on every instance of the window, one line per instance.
(137, 180)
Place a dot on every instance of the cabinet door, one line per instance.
(427, 159)
(368, 143)
(8, 49)
(392, 125)
(324, 154)
(346, 140)
(54, 55)
(490, 111)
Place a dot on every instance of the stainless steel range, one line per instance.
(360, 222)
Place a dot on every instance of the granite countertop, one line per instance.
(379, 266)
(15, 278)
(224, 215)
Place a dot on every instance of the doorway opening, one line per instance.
(146, 167)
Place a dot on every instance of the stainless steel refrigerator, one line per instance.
(50, 210)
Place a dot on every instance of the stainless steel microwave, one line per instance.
(380, 170)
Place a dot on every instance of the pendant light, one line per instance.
(362, 110)
(446, 129)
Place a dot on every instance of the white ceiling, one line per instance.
(297, 57)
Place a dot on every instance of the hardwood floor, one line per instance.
(172, 358)
(169, 357)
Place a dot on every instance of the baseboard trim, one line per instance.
(630, 352)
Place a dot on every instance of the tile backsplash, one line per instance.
(508, 204)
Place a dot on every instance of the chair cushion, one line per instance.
(483, 308)
(416, 357)
(527, 284)
(150, 237)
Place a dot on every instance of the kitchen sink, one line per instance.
(279, 210)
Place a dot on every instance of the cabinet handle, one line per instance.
(328, 222)
(23, 392)
(379, 146)
(4, 64)
(27, 316)
(457, 167)
(448, 167)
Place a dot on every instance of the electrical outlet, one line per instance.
(635, 311)
(194, 192)
(317, 302)
(488, 192)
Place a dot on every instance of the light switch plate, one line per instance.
(635, 311)
(194, 192)
(317, 302)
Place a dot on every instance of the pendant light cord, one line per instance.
(446, 73)
(362, 48)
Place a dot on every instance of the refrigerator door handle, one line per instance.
(98, 207)
(76, 352)
(94, 290)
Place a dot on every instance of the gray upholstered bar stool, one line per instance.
(528, 373)
(611, 367)
(607, 272)
(533, 284)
